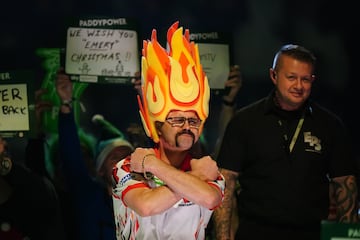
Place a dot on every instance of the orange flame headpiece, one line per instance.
(172, 80)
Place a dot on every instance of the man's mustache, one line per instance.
(185, 131)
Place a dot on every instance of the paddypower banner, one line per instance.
(340, 231)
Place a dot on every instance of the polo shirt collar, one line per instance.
(271, 107)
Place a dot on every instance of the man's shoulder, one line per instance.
(320, 111)
(257, 107)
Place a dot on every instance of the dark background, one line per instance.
(259, 28)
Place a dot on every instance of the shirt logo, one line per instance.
(314, 143)
(126, 178)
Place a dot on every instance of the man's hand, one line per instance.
(205, 168)
(233, 83)
(136, 81)
(138, 163)
(64, 86)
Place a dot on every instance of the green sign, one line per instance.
(340, 231)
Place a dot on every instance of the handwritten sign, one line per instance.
(15, 114)
(14, 107)
(214, 50)
(102, 50)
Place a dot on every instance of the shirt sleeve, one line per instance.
(125, 180)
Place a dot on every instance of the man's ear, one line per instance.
(158, 126)
(273, 75)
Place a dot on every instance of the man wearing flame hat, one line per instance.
(163, 192)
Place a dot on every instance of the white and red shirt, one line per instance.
(184, 221)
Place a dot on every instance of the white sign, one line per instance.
(215, 61)
(14, 113)
(102, 52)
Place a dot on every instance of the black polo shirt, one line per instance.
(278, 186)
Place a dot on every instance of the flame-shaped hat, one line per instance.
(172, 80)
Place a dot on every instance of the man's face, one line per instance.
(180, 130)
(293, 80)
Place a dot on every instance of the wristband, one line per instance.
(147, 175)
(68, 103)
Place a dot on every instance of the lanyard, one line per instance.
(296, 134)
(297, 131)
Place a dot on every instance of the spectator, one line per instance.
(29, 207)
(90, 185)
